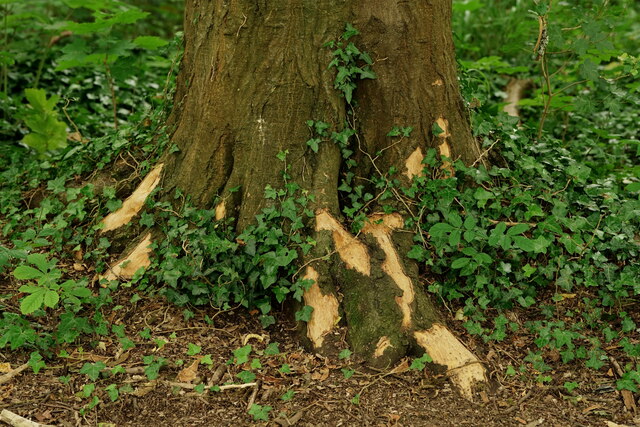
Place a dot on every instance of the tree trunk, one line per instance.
(253, 73)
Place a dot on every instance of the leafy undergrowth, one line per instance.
(535, 259)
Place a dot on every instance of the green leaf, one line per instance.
(272, 349)
(32, 302)
(112, 392)
(149, 42)
(40, 261)
(241, 354)
(304, 314)
(25, 272)
(439, 229)
(347, 373)
(460, 263)
(246, 376)
(260, 412)
(288, 395)
(51, 298)
(92, 370)
(193, 349)
(517, 229)
(345, 354)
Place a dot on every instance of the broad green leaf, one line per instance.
(32, 302)
(149, 42)
(524, 243)
(39, 260)
(517, 229)
(51, 298)
(25, 272)
(439, 229)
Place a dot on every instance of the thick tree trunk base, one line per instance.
(252, 75)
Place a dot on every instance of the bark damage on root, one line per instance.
(231, 123)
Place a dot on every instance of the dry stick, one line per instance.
(627, 395)
(253, 395)
(16, 420)
(9, 375)
(517, 405)
(190, 386)
(547, 104)
(485, 153)
(217, 375)
(75, 127)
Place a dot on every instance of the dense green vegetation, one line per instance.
(549, 234)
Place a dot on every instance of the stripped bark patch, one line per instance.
(125, 268)
(325, 310)
(414, 163)
(464, 369)
(221, 210)
(381, 227)
(351, 251)
(443, 148)
(134, 202)
(438, 82)
(383, 344)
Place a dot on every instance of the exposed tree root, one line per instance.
(132, 205)
(127, 266)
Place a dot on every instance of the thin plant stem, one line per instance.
(114, 101)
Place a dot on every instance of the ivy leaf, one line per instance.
(242, 354)
(460, 263)
(92, 370)
(304, 314)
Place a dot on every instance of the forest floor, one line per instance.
(302, 388)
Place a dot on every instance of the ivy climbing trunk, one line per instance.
(253, 73)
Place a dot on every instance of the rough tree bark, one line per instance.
(253, 72)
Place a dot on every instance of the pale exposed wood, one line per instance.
(443, 148)
(16, 420)
(464, 369)
(221, 210)
(351, 251)
(138, 258)
(383, 344)
(380, 227)
(414, 164)
(325, 313)
(132, 205)
(444, 125)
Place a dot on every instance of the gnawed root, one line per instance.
(464, 369)
(127, 266)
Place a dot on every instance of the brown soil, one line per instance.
(323, 396)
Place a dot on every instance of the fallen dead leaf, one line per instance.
(320, 375)
(188, 374)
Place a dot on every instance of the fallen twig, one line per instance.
(16, 420)
(253, 395)
(9, 375)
